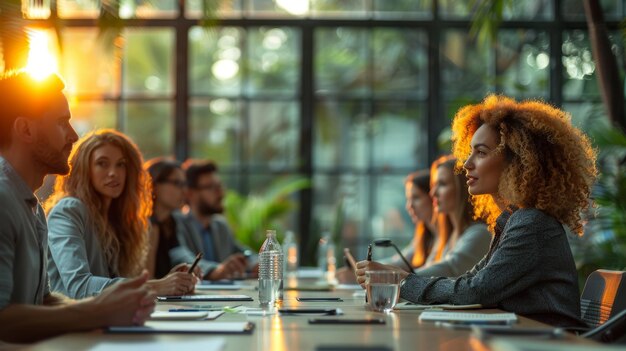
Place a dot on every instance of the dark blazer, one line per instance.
(529, 270)
(190, 240)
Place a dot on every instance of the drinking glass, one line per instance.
(383, 289)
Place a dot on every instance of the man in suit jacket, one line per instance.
(204, 228)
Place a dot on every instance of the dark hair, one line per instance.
(160, 168)
(21, 95)
(195, 169)
(420, 179)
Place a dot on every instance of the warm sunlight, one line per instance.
(41, 58)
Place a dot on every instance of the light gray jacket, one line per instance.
(76, 263)
(469, 249)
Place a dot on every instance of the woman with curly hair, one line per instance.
(530, 172)
(98, 220)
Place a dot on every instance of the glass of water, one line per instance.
(383, 289)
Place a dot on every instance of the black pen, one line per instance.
(369, 258)
(195, 263)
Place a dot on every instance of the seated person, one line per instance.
(36, 138)
(530, 173)
(98, 220)
(461, 241)
(419, 205)
(207, 230)
(168, 196)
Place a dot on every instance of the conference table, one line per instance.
(273, 331)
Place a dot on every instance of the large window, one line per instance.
(352, 94)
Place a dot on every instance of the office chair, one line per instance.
(603, 306)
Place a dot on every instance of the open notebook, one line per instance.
(184, 327)
(468, 317)
(416, 306)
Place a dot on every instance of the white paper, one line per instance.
(180, 315)
(184, 327)
(205, 344)
(443, 316)
(414, 306)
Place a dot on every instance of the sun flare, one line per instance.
(41, 58)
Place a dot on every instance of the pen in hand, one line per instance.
(195, 263)
(369, 258)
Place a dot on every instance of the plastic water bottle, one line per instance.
(270, 269)
(290, 249)
(326, 257)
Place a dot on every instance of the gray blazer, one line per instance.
(76, 263)
(471, 246)
(190, 240)
(529, 270)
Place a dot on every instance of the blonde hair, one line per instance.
(123, 233)
(550, 165)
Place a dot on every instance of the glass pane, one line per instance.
(399, 135)
(150, 125)
(523, 63)
(528, 10)
(274, 134)
(403, 9)
(401, 61)
(339, 8)
(149, 61)
(217, 8)
(454, 8)
(215, 62)
(465, 68)
(78, 8)
(148, 8)
(390, 219)
(91, 115)
(342, 64)
(340, 134)
(586, 114)
(33, 9)
(347, 194)
(574, 10)
(87, 67)
(273, 61)
(277, 8)
(215, 131)
(579, 65)
(512, 10)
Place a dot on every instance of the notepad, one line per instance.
(415, 306)
(176, 327)
(205, 298)
(469, 318)
(185, 315)
(218, 287)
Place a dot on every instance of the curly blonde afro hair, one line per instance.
(550, 165)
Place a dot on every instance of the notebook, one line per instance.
(185, 327)
(205, 298)
(184, 315)
(468, 317)
(415, 306)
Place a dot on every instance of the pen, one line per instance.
(369, 258)
(195, 262)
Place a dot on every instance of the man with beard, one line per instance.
(208, 230)
(35, 140)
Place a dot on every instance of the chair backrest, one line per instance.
(603, 297)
